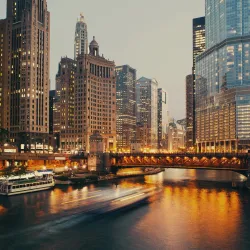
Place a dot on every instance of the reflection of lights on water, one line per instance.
(159, 178)
(117, 190)
(3, 210)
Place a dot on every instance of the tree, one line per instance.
(20, 170)
(14, 170)
(8, 171)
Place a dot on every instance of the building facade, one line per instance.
(27, 86)
(125, 106)
(146, 109)
(190, 111)
(64, 110)
(4, 55)
(162, 118)
(175, 137)
(95, 99)
(52, 101)
(223, 79)
(81, 37)
(199, 38)
(198, 48)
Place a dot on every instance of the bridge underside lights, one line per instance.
(222, 161)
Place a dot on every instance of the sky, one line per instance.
(154, 37)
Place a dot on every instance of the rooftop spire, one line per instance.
(81, 17)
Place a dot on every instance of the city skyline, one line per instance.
(114, 31)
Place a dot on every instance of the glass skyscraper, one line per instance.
(147, 109)
(198, 48)
(223, 78)
(199, 42)
(125, 106)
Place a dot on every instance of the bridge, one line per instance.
(33, 160)
(211, 161)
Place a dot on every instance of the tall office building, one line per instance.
(81, 37)
(52, 101)
(162, 118)
(198, 48)
(4, 53)
(199, 38)
(147, 113)
(95, 99)
(86, 101)
(64, 113)
(223, 79)
(27, 100)
(190, 111)
(125, 106)
(176, 136)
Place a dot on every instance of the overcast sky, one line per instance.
(154, 37)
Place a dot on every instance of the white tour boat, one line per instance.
(30, 182)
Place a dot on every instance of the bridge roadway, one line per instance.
(209, 161)
(30, 156)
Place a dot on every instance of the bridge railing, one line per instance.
(220, 155)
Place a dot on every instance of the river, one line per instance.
(192, 209)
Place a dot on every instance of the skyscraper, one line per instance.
(27, 104)
(147, 113)
(86, 101)
(223, 79)
(52, 100)
(3, 71)
(198, 48)
(199, 38)
(65, 87)
(162, 118)
(190, 111)
(81, 37)
(95, 99)
(126, 106)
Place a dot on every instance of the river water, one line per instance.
(193, 209)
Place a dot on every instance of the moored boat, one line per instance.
(62, 180)
(28, 183)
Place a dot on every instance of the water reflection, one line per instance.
(193, 217)
(186, 215)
